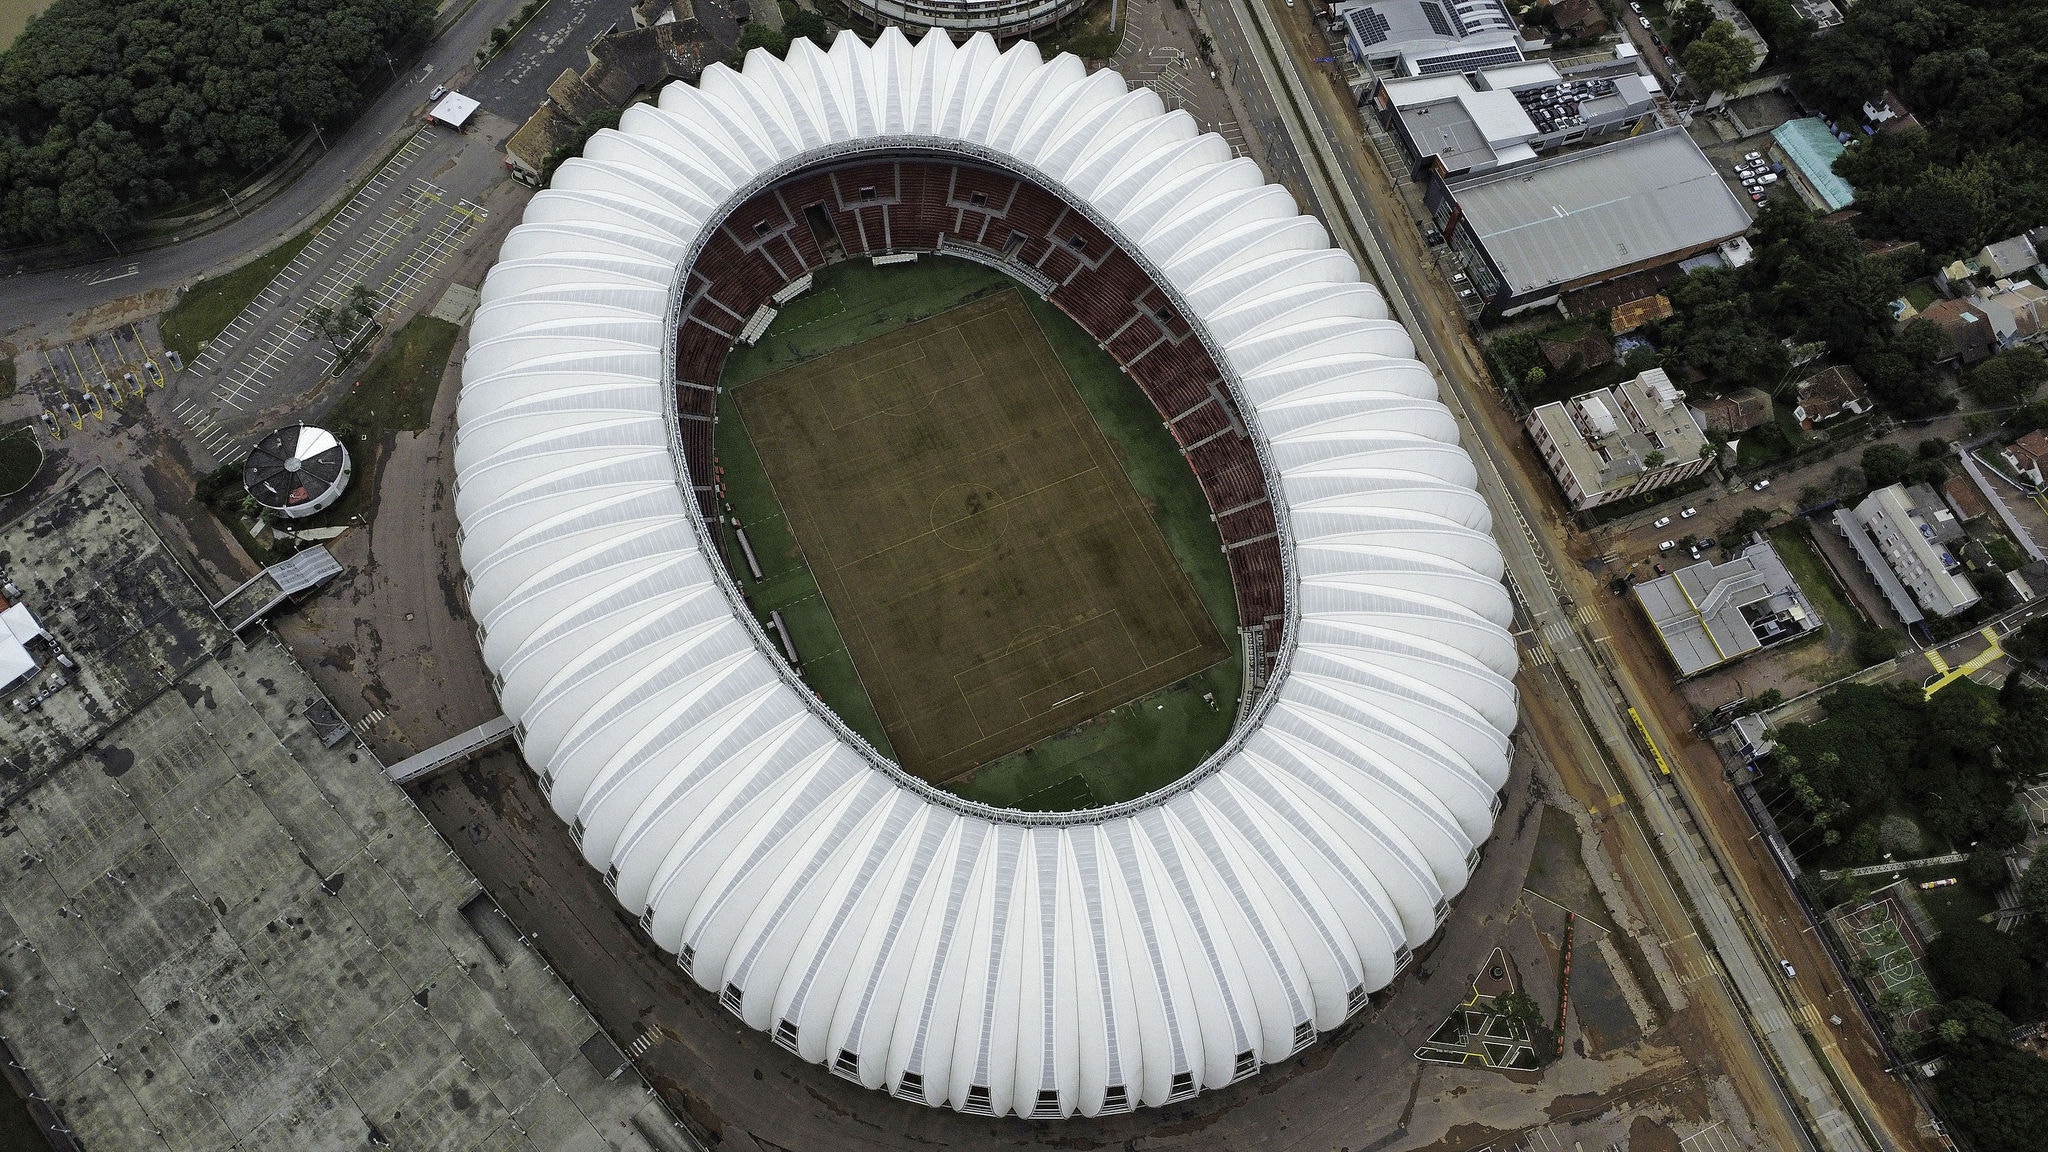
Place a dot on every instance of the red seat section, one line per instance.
(872, 207)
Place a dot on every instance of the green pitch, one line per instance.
(993, 574)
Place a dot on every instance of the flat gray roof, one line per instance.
(216, 930)
(1699, 611)
(1583, 213)
(1444, 128)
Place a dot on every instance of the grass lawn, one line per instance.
(20, 456)
(1135, 746)
(396, 392)
(1795, 547)
(1092, 37)
(1921, 295)
(212, 304)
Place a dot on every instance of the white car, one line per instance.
(439, 91)
(1635, 7)
(1769, 177)
(1662, 521)
(1753, 156)
(1760, 485)
(1790, 972)
(1643, 20)
(1688, 514)
(1667, 546)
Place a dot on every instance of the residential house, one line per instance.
(1617, 442)
(1735, 413)
(2027, 454)
(1968, 324)
(1962, 497)
(1579, 19)
(1636, 313)
(2018, 311)
(1836, 391)
(2012, 256)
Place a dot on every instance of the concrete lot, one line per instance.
(218, 927)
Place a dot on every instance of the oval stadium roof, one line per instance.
(913, 941)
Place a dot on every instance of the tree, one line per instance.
(1719, 59)
(1752, 521)
(1652, 460)
(2008, 378)
(802, 22)
(2034, 890)
(1975, 961)
(2030, 643)
(1519, 1007)
(1685, 22)
(1877, 645)
(762, 36)
(1885, 464)
(1839, 73)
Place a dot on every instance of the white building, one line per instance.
(1909, 539)
(1510, 113)
(1427, 37)
(1710, 614)
(1619, 442)
(944, 951)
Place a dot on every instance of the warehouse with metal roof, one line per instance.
(950, 953)
(1530, 233)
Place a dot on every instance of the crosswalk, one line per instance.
(218, 442)
(375, 718)
(648, 1038)
(1715, 1137)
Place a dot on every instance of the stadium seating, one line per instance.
(908, 205)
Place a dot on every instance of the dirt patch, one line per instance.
(1646, 1135)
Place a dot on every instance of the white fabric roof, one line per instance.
(455, 109)
(17, 627)
(1004, 962)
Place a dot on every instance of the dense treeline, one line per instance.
(1976, 75)
(109, 108)
(1809, 283)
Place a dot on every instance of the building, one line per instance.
(762, 842)
(296, 472)
(1962, 497)
(1807, 148)
(1727, 10)
(1531, 233)
(1427, 37)
(1836, 391)
(1823, 13)
(1458, 123)
(1003, 19)
(1709, 614)
(1580, 19)
(1968, 324)
(18, 629)
(225, 925)
(1736, 412)
(1636, 313)
(1614, 443)
(667, 42)
(2027, 455)
(1911, 535)
(1888, 114)
(2012, 256)
(2017, 311)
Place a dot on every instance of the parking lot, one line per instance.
(93, 378)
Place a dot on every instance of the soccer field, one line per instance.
(994, 575)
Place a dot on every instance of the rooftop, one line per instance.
(1812, 149)
(1829, 391)
(1709, 614)
(1606, 437)
(217, 928)
(1583, 213)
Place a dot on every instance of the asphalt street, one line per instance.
(40, 298)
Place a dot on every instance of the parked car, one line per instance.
(1760, 485)
(1465, 293)
(1791, 973)
(439, 91)
(1688, 514)
(1661, 522)
(1667, 546)
(1457, 277)
(1643, 20)
(1753, 156)
(1659, 568)
(1635, 7)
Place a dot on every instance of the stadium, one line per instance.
(951, 953)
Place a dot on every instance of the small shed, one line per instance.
(454, 110)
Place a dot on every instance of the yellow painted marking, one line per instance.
(1934, 658)
(1616, 800)
(1655, 754)
(1950, 676)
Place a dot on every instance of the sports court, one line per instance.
(995, 575)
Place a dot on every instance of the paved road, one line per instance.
(40, 298)
(1534, 564)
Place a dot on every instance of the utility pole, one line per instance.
(232, 204)
(109, 239)
(321, 137)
